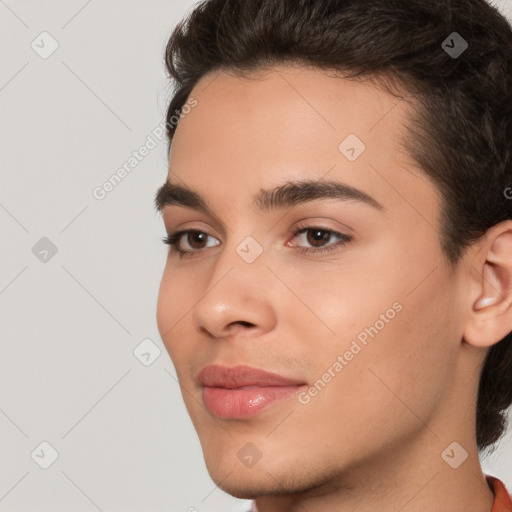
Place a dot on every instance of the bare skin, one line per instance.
(374, 437)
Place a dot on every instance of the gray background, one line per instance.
(72, 320)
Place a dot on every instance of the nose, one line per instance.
(239, 300)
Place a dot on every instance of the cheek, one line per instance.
(375, 286)
(407, 362)
(399, 374)
(173, 298)
(396, 319)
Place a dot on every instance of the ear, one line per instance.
(490, 319)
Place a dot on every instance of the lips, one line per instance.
(243, 391)
(242, 376)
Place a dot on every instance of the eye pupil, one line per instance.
(199, 237)
(319, 235)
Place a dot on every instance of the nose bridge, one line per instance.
(243, 248)
(241, 261)
(236, 288)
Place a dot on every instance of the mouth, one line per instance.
(240, 403)
(241, 392)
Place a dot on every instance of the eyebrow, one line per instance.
(290, 194)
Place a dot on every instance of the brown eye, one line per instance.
(318, 236)
(195, 239)
(317, 239)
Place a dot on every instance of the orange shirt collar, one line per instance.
(502, 499)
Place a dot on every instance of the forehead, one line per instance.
(288, 122)
(283, 106)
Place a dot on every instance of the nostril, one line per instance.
(245, 324)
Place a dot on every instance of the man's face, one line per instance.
(372, 328)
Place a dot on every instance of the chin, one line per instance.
(253, 483)
(249, 487)
(241, 482)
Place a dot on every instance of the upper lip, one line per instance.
(215, 375)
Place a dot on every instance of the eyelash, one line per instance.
(173, 240)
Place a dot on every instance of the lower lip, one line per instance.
(243, 403)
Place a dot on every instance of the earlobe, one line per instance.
(491, 315)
